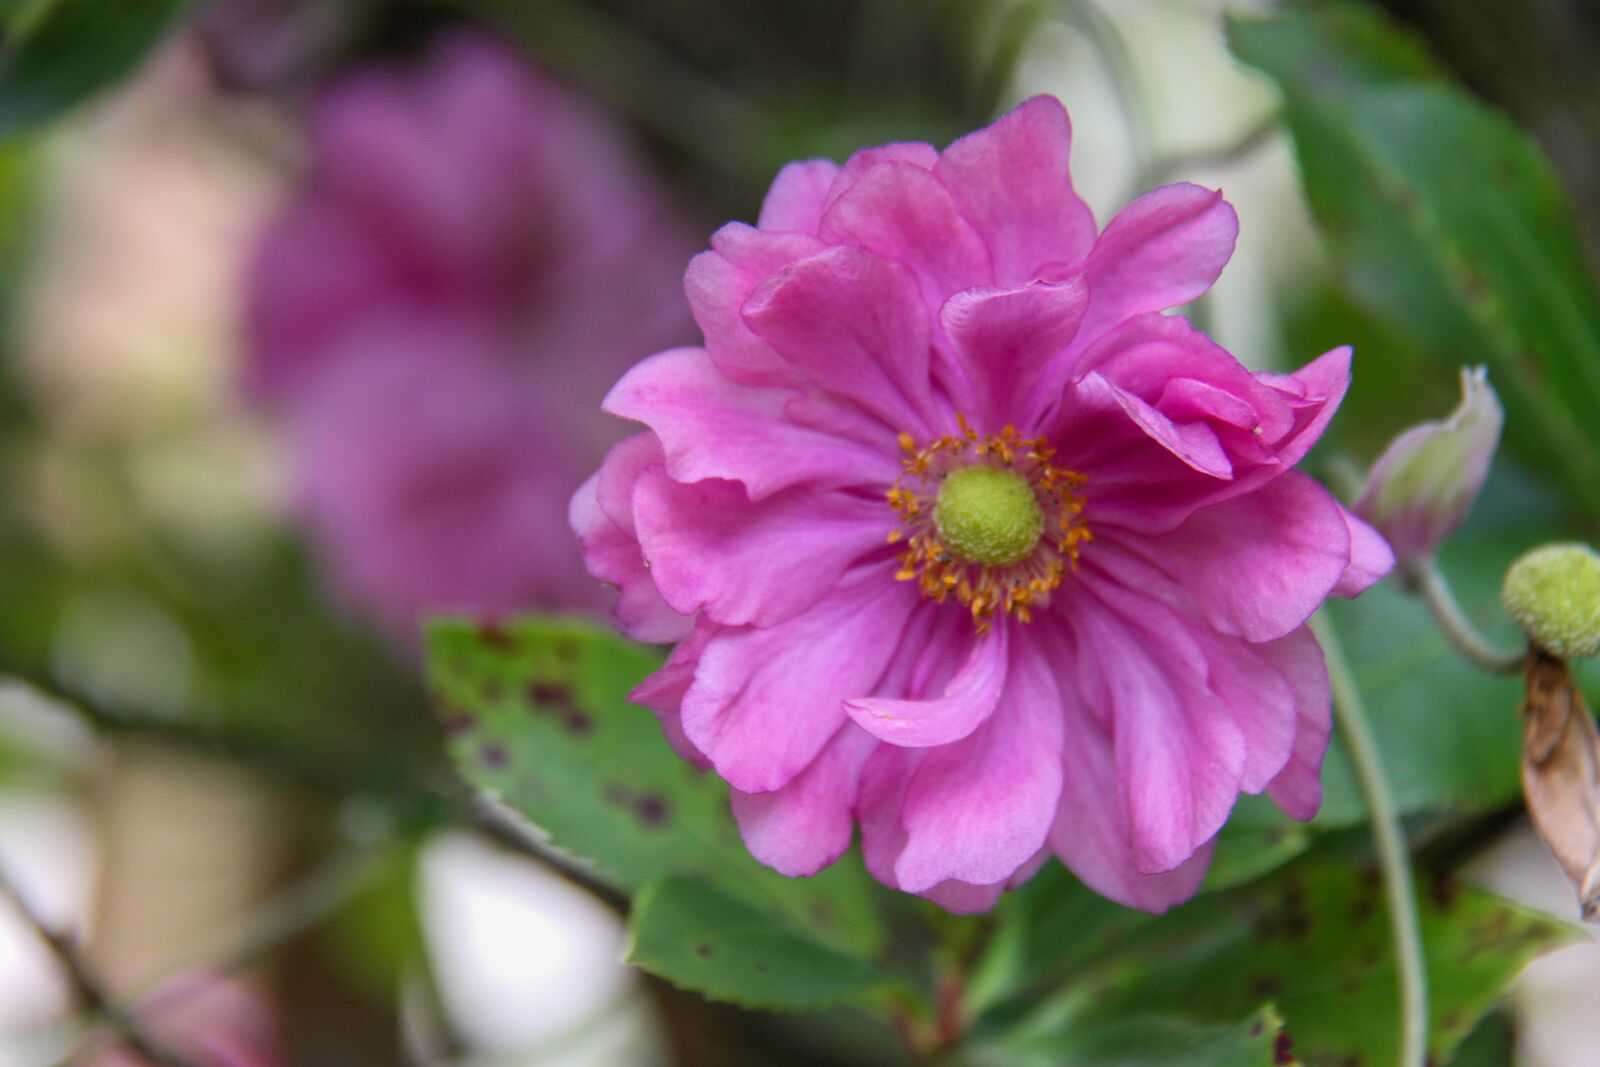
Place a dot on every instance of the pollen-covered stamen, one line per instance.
(988, 519)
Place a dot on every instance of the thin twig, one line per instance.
(1393, 859)
(1103, 36)
(1169, 167)
(92, 997)
(1429, 581)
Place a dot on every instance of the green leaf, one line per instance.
(538, 713)
(1316, 943)
(1257, 839)
(56, 54)
(705, 940)
(1155, 1041)
(1444, 218)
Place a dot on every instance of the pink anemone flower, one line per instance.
(962, 540)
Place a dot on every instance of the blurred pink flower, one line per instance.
(960, 538)
(473, 256)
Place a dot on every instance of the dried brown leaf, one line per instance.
(1561, 773)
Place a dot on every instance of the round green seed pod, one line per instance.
(1554, 592)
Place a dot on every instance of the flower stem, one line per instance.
(1429, 581)
(1393, 859)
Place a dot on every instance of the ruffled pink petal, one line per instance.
(1002, 337)
(969, 699)
(1195, 444)
(1370, 558)
(612, 555)
(1162, 250)
(978, 809)
(719, 282)
(765, 701)
(798, 192)
(1091, 832)
(710, 548)
(853, 324)
(1258, 565)
(918, 154)
(902, 212)
(1217, 674)
(806, 825)
(1179, 758)
(662, 692)
(1013, 181)
(1314, 392)
(712, 428)
(1297, 789)
(1188, 377)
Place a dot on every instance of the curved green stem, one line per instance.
(1393, 859)
(1429, 581)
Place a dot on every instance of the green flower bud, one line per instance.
(1554, 592)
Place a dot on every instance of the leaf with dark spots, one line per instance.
(1308, 942)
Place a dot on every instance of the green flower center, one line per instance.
(988, 515)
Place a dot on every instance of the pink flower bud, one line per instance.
(1422, 486)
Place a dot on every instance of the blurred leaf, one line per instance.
(57, 53)
(1258, 839)
(1445, 218)
(1316, 943)
(1150, 1042)
(702, 939)
(538, 713)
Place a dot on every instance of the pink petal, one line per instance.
(712, 428)
(719, 282)
(1370, 558)
(969, 699)
(1297, 789)
(918, 154)
(795, 200)
(806, 825)
(1179, 761)
(902, 212)
(1162, 250)
(963, 898)
(1012, 180)
(1258, 565)
(1091, 832)
(1195, 444)
(853, 324)
(710, 548)
(1315, 392)
(1004, 336)
(765, 701)
(662, 692)
(612, 555)
(978, 809)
